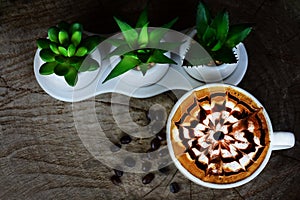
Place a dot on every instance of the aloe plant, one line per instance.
(217, 36)
(66, 51)
(141, 47)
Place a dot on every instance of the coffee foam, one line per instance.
(219, 135)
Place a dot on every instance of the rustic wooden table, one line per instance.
(41, 153)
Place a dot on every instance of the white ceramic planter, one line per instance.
(137, 79)
(211, 74)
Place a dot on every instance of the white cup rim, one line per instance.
(198, 181)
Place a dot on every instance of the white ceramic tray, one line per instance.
(175, 79)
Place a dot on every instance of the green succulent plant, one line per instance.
(65, 51)
(217, 36)
(141, 47)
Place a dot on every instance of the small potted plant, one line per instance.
(66, 52)
(220, 40)
(142, 54)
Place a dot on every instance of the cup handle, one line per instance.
(283, 140)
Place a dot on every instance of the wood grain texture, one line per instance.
(41, 153)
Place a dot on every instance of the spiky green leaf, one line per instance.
(129, 33)
(216, 46)
(116, 42)
(209, 36)
(82, 51)
(47, 68)
(43, 43)
(202, 19)
(170, 24)
(197, 55)
(236, 34)
(157, 34)
(144, 68)
(143, 37)
(167, 46)
(71, 77)
(159, 57)
(61, 69)
(121, 50)
(76, 38)
(143, 54)
(53, 34)
(47, 55)
(71, 50)
(63, 51)
(54, 48)
(221, 25)
(126, 63)
(143, 19)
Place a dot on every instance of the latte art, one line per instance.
(219, 136)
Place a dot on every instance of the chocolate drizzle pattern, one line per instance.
(220, 135)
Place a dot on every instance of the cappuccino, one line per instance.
(219, 135)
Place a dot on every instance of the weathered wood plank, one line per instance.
(42, 155)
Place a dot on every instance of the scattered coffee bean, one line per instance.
(129, 162)
(118, 173)
(126, 139)
(148, 178)
(174, 187)
(163, 152)
(155, 144)
(116, 180)
(161, 135)
(146, 166)
(115, 147)
(163, 169)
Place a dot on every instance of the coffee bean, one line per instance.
(163, 152)
(118, 173)
(155, 144)
(174, 187)
(115, 180)
(115, 147)
(126, 139)
(146, 166)
(148, 178)
(161, 135)
(129, 162)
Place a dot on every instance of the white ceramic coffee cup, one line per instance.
(278, 141)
